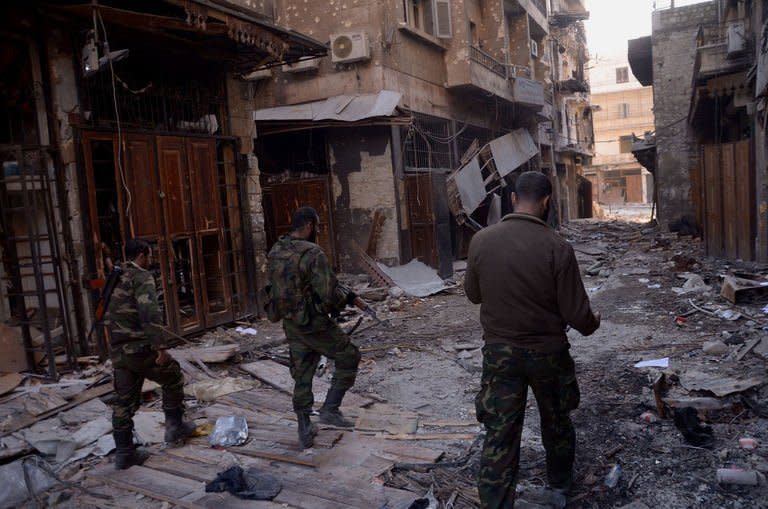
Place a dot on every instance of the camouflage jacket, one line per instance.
(301, 281)
(133, 314)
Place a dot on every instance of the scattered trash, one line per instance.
(654, 286)
(247, 331)
(612, 479)
(681, 321)
(415, 278)
(644, 280)
(687, 421)
(727, 314)
(203, 430)
(693, 380)
(654, 363)
(251, 484)
(748, 443)
(737, 476)
(396, 292)
(428, 501)
(765, 310)
(741, 286)
(649, 417)
(229, 431)
(715, 347)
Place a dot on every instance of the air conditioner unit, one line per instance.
(349, 47)
(303, 65)
(534, 48)
(737, 39)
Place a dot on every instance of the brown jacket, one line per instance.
(527, 279)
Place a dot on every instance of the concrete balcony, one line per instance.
(536, 9)
(722, 49)
(567, 12)
(482, 71)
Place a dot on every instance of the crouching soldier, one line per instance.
(138, 351)
(303, 291)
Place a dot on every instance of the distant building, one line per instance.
(622, 107)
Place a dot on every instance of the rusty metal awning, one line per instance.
(344, 108)
(212, 29)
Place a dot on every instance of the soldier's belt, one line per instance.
(131, 348)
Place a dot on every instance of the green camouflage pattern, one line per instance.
(500, 407)
(133, 315)
(305, 291)
(302, 283)
(306, 345)
(131, 369)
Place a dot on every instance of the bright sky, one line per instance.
(613, 22)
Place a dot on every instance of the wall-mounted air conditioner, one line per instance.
(349, 47)
(737, 38)
(534, 48)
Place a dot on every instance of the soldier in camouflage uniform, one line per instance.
(528, 283)
(138, 351)
(304, 291)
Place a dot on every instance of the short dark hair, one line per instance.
(303, 216)
(136, 247)
(532, 186)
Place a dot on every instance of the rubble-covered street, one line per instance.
(413, 402)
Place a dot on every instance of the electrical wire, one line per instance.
(120, 141)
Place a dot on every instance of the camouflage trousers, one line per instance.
(130, 371)
(500, 407)
(307, 344)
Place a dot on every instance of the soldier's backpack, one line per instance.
(287, 295)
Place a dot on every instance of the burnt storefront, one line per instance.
(148, 133)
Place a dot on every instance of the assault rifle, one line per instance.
(106, 293)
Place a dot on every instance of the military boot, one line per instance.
(127, 455)
(307, 430)
(176, 430)
(330, 413)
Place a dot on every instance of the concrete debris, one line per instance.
(715, 347)
(693, 380)
(23, 479)
(149, 427)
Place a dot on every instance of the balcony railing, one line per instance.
(481, 57)
(661, 5)
(518, 71)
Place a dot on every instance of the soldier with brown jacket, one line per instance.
(304, 291)
(527, 281)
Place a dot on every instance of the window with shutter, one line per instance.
(442, 18)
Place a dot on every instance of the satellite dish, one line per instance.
(342, 46)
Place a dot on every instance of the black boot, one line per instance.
(176, 430)
(330, 413)
(127, 455)
(307, 430)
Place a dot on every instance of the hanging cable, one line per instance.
(120, 141)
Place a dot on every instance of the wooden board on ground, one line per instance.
(38, 403)
(152, 483)
(28, 420)
(278, 376)
(9, 382)
(254, 417)
(210, 354)
(382, 417)
(265, 399)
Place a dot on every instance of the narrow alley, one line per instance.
(415, 428)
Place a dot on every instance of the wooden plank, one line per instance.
(9, 382)
(728, 191)
(382, 417)
(272, 456)
(142, 176)
(183, 467)
(279, 377)
(28, 420)
(152, 483)
(745, 200)
(265, 399)
(225, 500)
(210, 354)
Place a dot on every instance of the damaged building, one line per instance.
(128, 119)
(409, 94)
(707, 64)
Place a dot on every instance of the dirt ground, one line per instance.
(416, 364)
(426, 358)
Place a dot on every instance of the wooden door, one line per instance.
(142, 198)
(290, 196)
(634, 189)
(421, 220)
(728, 200)
(184, 284)
(211, 263)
